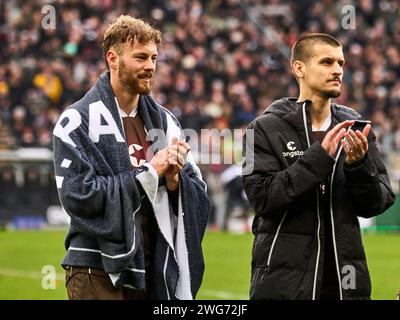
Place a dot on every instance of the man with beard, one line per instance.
(125, 175)
(313, 169)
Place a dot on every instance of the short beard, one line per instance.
(330, 93)
(132, 82)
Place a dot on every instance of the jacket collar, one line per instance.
(289, 110)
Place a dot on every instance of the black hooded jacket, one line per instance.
(282, 172)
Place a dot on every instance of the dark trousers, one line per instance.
(94, 284)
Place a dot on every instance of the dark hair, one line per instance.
(302, 50)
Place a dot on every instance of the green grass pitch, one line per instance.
(23, 254)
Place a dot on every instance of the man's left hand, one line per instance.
(355, 144)
(178, 151)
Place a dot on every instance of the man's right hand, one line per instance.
(172, 157)
(160, 162)
(333, 137)
(180, 150)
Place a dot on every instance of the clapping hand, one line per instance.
(334, 136)
(178, 151)
(355, 144)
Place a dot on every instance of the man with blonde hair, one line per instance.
(125, 175)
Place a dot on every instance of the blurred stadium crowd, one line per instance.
(221, 63)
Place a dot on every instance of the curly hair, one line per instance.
(126, 28)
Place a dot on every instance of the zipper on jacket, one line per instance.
(318, 252)
(331, 212)
(318, 216)
(165, 273)
(273, 245)
(264, 272)
(333, 224)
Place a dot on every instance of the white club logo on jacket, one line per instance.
(292, 150)
(290, 146)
